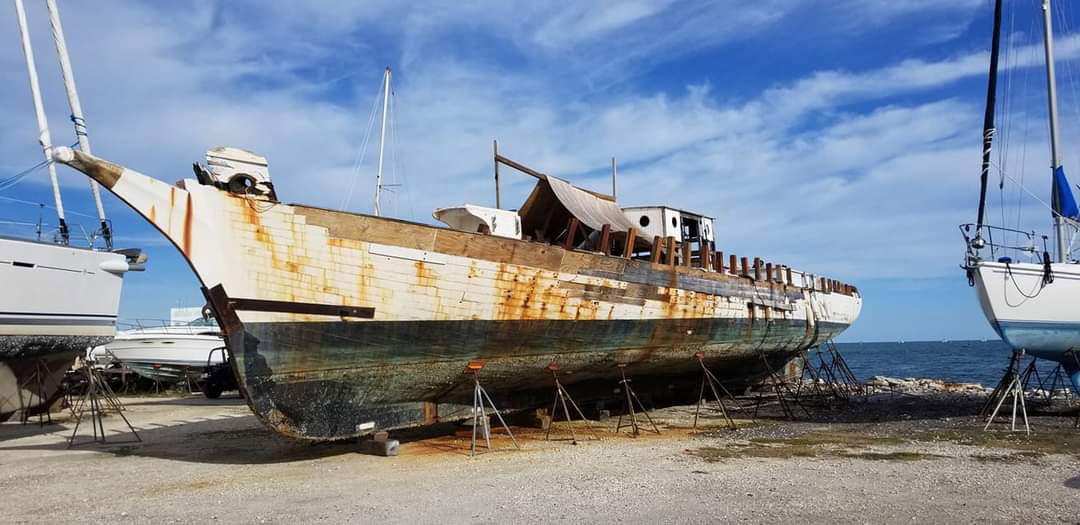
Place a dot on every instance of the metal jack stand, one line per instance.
(480, 418)
(97, 400)
(40, 376)
(780, 388)
(562, 396)
(631, 397)
(999, 392)
(1015, 390)
(708, 377)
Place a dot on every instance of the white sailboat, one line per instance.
(1031, 298)
(59, 298)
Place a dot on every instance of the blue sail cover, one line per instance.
(1062, 198)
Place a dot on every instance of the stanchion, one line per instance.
(708, 378)
(1015, 390)
(561, 397)
(481, 400)
(98, 399)
(630, 397)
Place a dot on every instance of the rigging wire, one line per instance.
(1027, 131)
(404, 170)
(8, 182)
(363, 149)
(43, 205)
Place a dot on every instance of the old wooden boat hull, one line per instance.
(343, 324)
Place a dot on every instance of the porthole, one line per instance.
(674, 222)
(643, 221)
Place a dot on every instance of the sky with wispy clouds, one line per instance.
(843, 138)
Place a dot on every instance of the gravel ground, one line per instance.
(893, 459)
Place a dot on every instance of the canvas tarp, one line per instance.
(590, 209)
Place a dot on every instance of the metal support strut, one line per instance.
(98, 399)
(1014, 389)
(561, 397)
(630, 398)
(707, 377)
(480, 418)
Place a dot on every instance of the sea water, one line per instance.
(982, 362)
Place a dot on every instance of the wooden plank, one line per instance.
(719, 264)
(686, 259)
(671, 251)
(628, 248)
(655, 249)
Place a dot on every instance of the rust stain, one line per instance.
(153, 214)
(187, 226)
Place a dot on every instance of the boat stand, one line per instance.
(707, 377)
(1001, 390)
(1014, 390)
(628, 406)
(561, 397)
(98, 399)
(480, 417)
(780, 387)
(831, 380)
(1046, 387)
(37, 382)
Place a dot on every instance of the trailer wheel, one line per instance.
(212, 390)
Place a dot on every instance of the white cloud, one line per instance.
(852, 194)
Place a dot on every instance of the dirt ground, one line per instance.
(892, 459)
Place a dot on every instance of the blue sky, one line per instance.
(841, 139)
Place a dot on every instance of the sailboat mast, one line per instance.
(988, 118)
(76, 110)
(1055, 159)
(43, 124)
(382, 137)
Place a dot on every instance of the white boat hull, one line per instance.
(163, 354)
(1043, 320)
(57, 302)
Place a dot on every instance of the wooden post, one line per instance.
(498, 201)
(605, 239)
(655, 249)
(571, 230)
(745, 267)
(628, 248)
(732, 265)
(686, 255)
(757, 268)
(769, 272)
(671, 251)
(719, 264)
(706, 255)
(789, 280)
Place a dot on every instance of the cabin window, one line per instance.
(643, 221)
(674, 222)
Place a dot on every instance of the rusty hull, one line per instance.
(439, 298)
